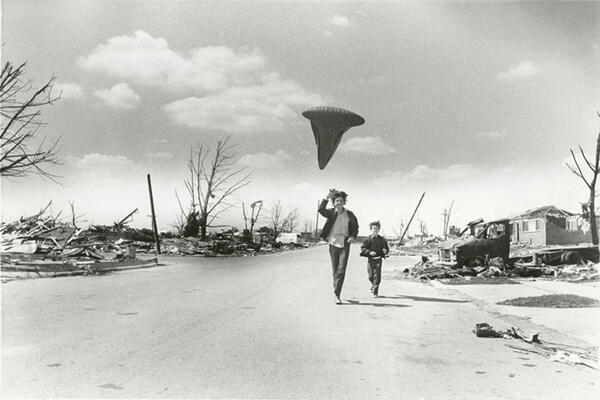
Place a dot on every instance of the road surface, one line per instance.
(261, 327)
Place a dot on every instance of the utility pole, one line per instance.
(411, 218)
(317, 224)
(154, 227)
(254, 218)
(446, 214)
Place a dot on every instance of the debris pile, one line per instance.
(572, 355)
(220, 244)
(576, 273)
(42, 244)
(230, 243)
(426, 269)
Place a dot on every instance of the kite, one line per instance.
(328, 125)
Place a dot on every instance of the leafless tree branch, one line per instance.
(19, 155)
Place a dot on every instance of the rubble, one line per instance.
(41, 244)
(426, 269)
(572, 355)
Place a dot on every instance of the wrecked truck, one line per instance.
(480, 240)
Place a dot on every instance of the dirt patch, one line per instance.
(552, 301)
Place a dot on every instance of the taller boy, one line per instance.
(340, 229)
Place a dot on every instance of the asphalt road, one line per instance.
(261, 327)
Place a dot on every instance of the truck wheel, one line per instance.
(571, 257)
(474, 262)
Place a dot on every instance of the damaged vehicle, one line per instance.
(479, 242)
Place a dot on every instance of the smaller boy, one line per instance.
(375, 248)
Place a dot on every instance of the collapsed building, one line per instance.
(549, 225)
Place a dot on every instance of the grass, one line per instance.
(552, 301)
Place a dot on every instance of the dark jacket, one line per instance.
(331, 215)
(376, 244)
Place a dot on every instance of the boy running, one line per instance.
(375, 248)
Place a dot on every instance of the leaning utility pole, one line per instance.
(154, 227)
(410, 220)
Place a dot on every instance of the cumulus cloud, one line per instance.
(265, 160)
(149, 60)
(68, 90)
(233, 90)
(338, 20)
(366, 145)
(94, 161)
(119, 96)
(266, 107)
(102, 168)
(523, 70)
(492, 134)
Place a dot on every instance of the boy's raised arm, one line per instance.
(323, 208)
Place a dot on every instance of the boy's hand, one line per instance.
(330, 194)
(372, 254)
(350, 239)
(385, 251)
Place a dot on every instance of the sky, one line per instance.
(475, 104)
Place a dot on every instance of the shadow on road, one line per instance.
(417, 298)
(358, 303)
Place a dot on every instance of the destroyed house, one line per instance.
(549, 225)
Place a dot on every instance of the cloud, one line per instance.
(423, 174)
(101, 161)
(160, 155)
(523, 70)
(68, 90)
(338, 20)
(266, 107)
(102, 168)
(119, 96)
(492, 134)
(265, 160)
(234, 91)
(366, 145)
(149, 60)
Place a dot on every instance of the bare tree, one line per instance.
(74, 217)
(308, 225)
(282, 220)
(213, 179)
(589, 182)
(254, 216)
(277, 219)
(291, 220)
(22, 151)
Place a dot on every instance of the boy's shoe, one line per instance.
(338, 300)
(375, 295)
(371, 289)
